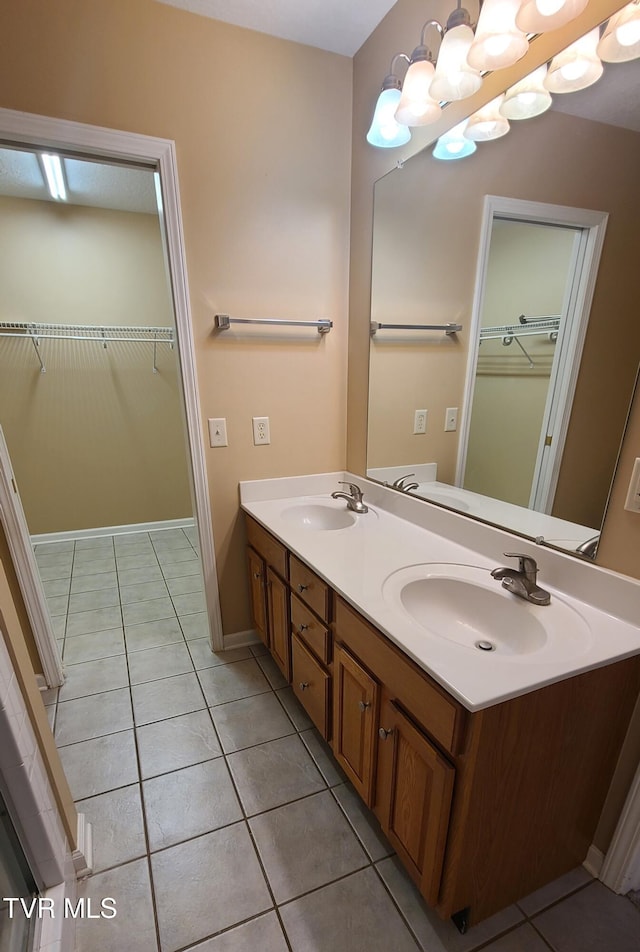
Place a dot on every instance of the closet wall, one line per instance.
(97, 440)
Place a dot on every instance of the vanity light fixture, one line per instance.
(54, 176)
(527, 98)
(538, 16)
(620, 41)
(385, 131)
(498, 41)
(576, 67)
(488, 122)
(416, 106)
(454, 144)
(454, 79)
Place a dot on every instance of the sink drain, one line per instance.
(485, 645)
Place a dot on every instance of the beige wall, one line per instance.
(263, 136)
(98, 439)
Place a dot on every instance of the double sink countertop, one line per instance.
(402, 540)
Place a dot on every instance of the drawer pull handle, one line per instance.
(363, 705)
(304, 685)
(303, 627)
(302, 588)
(385, 733)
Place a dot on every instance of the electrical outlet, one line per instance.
(261, 435)
(451, 419)
(218, 432)
(632, 502)
(420, 421)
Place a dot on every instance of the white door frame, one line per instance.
(593, 224)
(28, 129)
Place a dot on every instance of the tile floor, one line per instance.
(221, 822)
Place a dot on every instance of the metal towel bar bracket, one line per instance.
(448, 329)
(223, 322)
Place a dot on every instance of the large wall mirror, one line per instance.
(531, 246)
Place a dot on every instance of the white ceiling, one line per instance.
(340, 26)
(89, 183)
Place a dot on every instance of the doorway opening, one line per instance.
(154, 158)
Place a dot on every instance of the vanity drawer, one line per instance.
(311, 685)
(310, 588)
(272, 551)
(306, 626)
(429, 704)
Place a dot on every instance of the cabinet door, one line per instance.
(311, 685)
(257, 590)
(414, 791)
(278, 622)
(355, 711)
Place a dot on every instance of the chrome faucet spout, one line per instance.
(523, 580)
(402, 485)
(353, 497)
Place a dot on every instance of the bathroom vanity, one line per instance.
(487, 785)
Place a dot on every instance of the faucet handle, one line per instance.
(356, 492)
(526, 563)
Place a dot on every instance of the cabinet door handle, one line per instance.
(385, 733)
(303, 627)
(363, 705)
(257, 574)
(302, 588)
(304, 685)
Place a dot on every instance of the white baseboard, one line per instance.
(74, 534)
(241, 639)
(83, 853)
(593, 862)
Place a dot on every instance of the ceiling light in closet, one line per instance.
(54, 176)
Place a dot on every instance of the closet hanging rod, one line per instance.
(223, 322)
(449, 329)
(90, 332)
(543, 325)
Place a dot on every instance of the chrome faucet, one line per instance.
(522, 582)
(354, 498)
(402, 486)
(589, 548)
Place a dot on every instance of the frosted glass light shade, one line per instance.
(498, 41)
(536, 16)
(621, 39)
(527, 98)
(385, 132)
(487, 123)
(576, 67)
(454, 79)
(416, 107)
(454, 145)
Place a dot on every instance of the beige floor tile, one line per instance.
(176, 742)
(117, 826)
(184, 585)
(143, 591)
(230, 682)
(136, 576)
(93, 677)
(250, 721)
(87, 717)
(95, 766)
(189, 802)
(92, 600)
(555, 890)
(522, 939)
(196, 886)
(94, 566)
(139, 613)
(259, 935)
(194, 626)
(204, 657)
(294, 709)
(102, 644)
(155, 663)
(272, 672)
(133, 928)
(179, 569)
(274, 773)
(165, 631)
(93, 583)
(168, 697)
(99, 619)
(363, 822)
(591, 920)
(362, 919)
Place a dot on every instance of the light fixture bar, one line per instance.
(54, 176)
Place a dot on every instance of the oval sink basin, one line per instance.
(466, 606)
(319, 517)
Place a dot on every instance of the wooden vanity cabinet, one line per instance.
(482, 808)
(268, 562)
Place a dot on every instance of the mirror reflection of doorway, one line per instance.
(90, 400)
(536, 273)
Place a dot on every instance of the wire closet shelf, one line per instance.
(37, 332)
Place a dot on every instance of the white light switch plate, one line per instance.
(218, 431)
(451, 419)
(633, 495)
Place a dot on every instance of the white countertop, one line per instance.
(356, 561)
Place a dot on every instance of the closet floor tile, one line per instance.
(143, 591)
(92, 600)
(135, 576)
(95, 566)
(93, 583)
(177, 569)
(137, 613)
(98, 619)
(183, 586)
(91, 648)
(127, 562)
